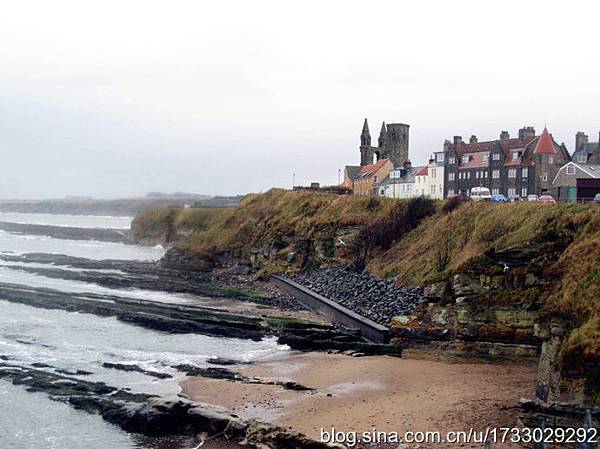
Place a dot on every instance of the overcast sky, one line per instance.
(118, 98)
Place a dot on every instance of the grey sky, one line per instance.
(117, 98)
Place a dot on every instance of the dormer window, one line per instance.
(516, 155)
(570, 170)
(551, 159)
(496, 156)
(486, 158)
(439, 157)
(582, 158)
(465, 159)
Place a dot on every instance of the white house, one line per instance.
(400, 183)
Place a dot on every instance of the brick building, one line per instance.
(509, 166)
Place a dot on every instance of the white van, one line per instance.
(480, 194)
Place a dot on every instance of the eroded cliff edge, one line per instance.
(512, 280)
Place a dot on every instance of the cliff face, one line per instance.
(280, 231)
(169, 225)
(518, 280)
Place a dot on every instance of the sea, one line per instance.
(73, 341)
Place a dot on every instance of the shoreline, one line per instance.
(361, 393)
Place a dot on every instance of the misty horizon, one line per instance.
(113, 100)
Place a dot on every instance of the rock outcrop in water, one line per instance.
(67, 232)
(153, 415)
(298, 334)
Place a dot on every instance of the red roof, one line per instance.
(475, 160)
(545, 145)
(422, 172)
(514, 161)
(368, 170)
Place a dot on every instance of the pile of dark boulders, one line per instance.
(374, 298)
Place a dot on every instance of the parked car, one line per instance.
(480, 194)
(499, 199)
(532, 197)
(597, 199)
(514, 198)
(548, 199)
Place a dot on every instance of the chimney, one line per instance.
(580, 140)
(526, 133)
(407, 164)
(431, 159)
(447, 144)
(504, 135)
(473, 139)
(457, 140)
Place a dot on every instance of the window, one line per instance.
(439, 157)
(433, 172)
(432, 189)
(582, 158)
(496, 156)
(451, 160)
(570, 169)
(495, 191)
(484, 174)
(496, 174)
(477, 174)
(551, 159)
(512, 173)
(450, 176)
(516, 155)
(486, 158)
(524, 172)
(468, 175)
(524, 192)
(465, 159)
(409, 188)
(375, 178)
(544, 176)
(512, 192)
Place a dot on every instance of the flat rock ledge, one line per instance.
(155, 416)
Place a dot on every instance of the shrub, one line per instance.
(381, 233)
(451, 204)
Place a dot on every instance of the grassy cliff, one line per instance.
(417, 241)
(167, 225)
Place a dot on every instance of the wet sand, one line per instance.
(362, 393)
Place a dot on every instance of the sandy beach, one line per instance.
(361, 393)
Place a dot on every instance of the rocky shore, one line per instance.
(374, 298)
(153, 276)
(152, 415)
(71, 233)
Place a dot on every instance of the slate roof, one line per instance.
(407, 176)
(352, 170)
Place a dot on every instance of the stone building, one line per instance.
(509, 166)
(392, 144)
(368, 179)
(586, 152)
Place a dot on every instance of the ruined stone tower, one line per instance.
(392, 144)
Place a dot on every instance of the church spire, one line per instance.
(365, 136)
(365, 127)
